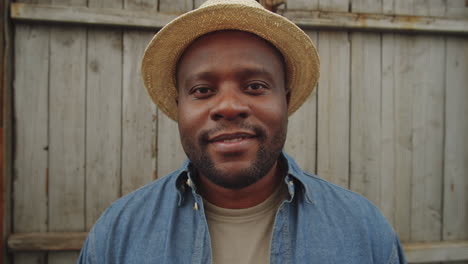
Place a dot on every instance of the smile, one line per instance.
(231, 137)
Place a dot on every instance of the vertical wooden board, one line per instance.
(397, 120)
(455, 225)
(367, 6)
(302, 4)
(301, 142)
(334, 5)
(333, 108)
(170, 152)
(428, 120)
(419, 7)
(67, 101)
(139, 117)
(103, 116)
(388, 175)
(456, 9)
(67, 133)
(175, 6)
(419, 99)
(365, 132)
(31, 132)
(103, 120)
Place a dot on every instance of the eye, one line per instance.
(256, 88)
(201, 92)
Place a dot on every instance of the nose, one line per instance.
(230, 105)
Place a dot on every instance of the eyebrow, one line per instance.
(246, 72)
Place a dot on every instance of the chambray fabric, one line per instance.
(318, 223)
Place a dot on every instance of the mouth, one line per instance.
(231, 137)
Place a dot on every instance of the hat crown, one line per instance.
(250, 3)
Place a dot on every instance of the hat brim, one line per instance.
(163, 52)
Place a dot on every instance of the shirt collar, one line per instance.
(294, 179)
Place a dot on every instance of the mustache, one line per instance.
(206, 134)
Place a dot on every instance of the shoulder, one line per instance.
(340, 202)
(351, 216)
(142, 201)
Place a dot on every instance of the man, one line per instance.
(231, 73)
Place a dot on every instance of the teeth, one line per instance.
(233, 140)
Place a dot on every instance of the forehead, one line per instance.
(220, 44)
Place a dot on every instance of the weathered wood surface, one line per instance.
(455, 199)
(366, 134)
(416, 252)
(51, 241)
(67, 122)
(436, 251)
(142, 14)
(390, 123)
(327, 18)
(139, 126)
(301, 142)
(170, 152)
(103, 117)
(333, 108)
(30, 180)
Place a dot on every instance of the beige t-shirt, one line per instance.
(243, 235)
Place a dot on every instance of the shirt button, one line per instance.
(195, 206)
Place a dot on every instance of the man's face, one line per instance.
(232, 107)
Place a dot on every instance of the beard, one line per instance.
(266, 156)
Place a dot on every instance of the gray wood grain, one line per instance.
(301, 142)
(103, 117)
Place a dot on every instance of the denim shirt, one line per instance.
(164, 222)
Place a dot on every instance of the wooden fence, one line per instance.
(389, 118)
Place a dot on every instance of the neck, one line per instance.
(245, 197)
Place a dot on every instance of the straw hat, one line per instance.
(160, 59)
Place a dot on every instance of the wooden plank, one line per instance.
(420, 7)
(302, 4)
(333, 96)
(306, 19)
(67, 106)
(333, 108)
(139, 118)
(30, 180)
(6, 133)
(51, 241)
(436, 251)
(415, 252)
(427, 138)
(365, 132)
(455, 224)
(139, 123)
(301, 142)
(103, 117)
(427, 132)
(418, 105)
(132, 16)
(334, 5)
(170, 152)
(175, 6)
(456, 9)
(366, 104)
(389, 140)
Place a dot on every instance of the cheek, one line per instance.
(190, 119)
